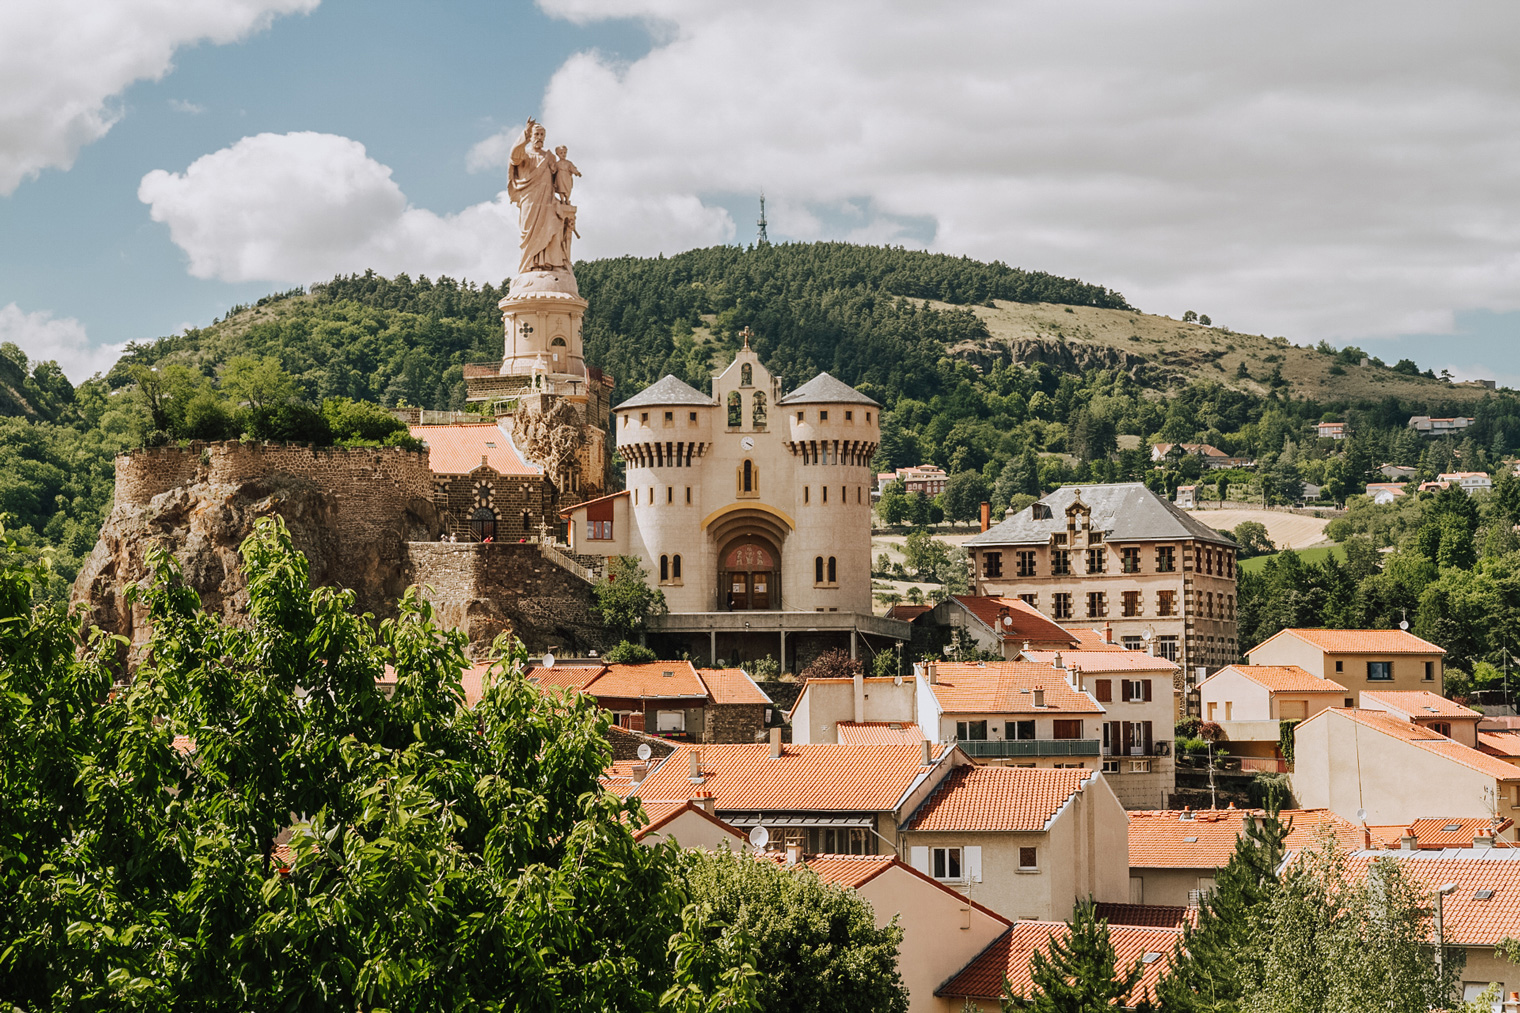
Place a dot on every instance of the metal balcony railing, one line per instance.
(1007, 749)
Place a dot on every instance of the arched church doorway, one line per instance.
(749, 575)
(483, 524)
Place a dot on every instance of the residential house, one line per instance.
(1397, 472)
(1175, 855)
(1383, 493)
(821, 797)
(943, 930)
(1482, 910)
(1213, 458)
(671, 698)
(1470, 482)
(1187, 497)
(980, 984)
(1358, 659)
(1428, 710)
(923, 478)
(1436, 833)
(1014, 712)
(1251, 702)
(1331, 430)
(1504, 745)
(1122, 554)
(826, 705)
(998, 624)
(1140, 695)
(1027, 843)
(690, 824)
(1427, 426)
(1349, 760)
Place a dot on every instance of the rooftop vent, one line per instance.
(1190, 840)
(1187, 813)
(1451, 828)
(668, 675)
(1150, 958)
(1483, 895)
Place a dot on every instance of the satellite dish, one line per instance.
(644, 751)
(548, 660)
(1008, 621)
(1361, 816)
(1146, 636)
(1403, 624)
(759, 838)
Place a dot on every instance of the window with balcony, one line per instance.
(1026, 564)
(967, 731)
(1166, 559)
(1096, 560)
(992, 564)
(1131, 603)
(1166, 603)
(1060, 562)
(1023, 731)
(1129, 560)
(1097, 604)
(1061, 608)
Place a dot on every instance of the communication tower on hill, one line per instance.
(763, 239)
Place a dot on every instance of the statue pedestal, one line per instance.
(541, 317)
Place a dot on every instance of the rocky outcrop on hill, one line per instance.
(1065, 356)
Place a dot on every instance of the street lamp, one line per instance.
(1442, 891)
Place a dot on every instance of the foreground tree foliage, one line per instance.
(1081, 974)
(439, 857)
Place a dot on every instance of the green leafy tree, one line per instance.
(894, 506)
(926, 555)
(964, 495)
(628, 653)
(257, 381)
(1081, 973)
(817, 948)
(624, 599)
(1253, 539)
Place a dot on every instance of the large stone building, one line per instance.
(750, 509)
(1119, 553)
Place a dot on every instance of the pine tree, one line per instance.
(1081, 974)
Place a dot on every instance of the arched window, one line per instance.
(818, 570)
(735, 410)
(664, 569)
(748, 483)
(675, 567)
(746, 375)
(757, 414)
(833, 571)
(483, 524)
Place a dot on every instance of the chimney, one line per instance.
(706, 801)
(1039, 696)
(640, 771)
(1058, 663)
(775, 743)
(1108, 633)
(928, 754)
(1408, 841)
(694, 759)
(986, 516)
(793, 854)
(931, 672)
(1484, 838)
(860, 696)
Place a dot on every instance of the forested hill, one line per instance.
(1023, 378)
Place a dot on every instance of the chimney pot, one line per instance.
(1058, 663)
(928, 753)
(1484, 838)
(931, 672)
(793, 854)
(775, 743)
(640, 771)
(1108, 633)
(706, 800)
(1408, 841)
(694, 763)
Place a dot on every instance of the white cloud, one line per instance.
(1341, 171)
(63, 61)
(302, 207)
(44, 337)
(180, 105)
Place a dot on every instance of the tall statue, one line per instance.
(539, 183)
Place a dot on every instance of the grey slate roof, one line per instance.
(824, 389)
(1125, 512)
(666, 390)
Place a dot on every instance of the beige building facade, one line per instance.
(1357, 659)
(1119, 554)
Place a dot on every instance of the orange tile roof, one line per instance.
(824, 777)
(1426, 739)
(183, 745)
(1420, 704)
(1283, 679)
(1502, 744)
(1007, 687)
(855, 871)
(1465, 920)
(1009, 956)
(563, 676)
(732, 685)
(654, 680)
(662, 813)
(865, 732)
(998, 798)
(1362, 641)
(1434, 833)
(459, 449)
(908, 613)
(1091, 662)
(1162, 839)
(1028, 623)
(1091, 640)
(1155, 916)
(618, 777)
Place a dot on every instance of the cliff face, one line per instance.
(350, 511)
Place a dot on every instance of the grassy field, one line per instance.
(1287, 531)
(1314, 555)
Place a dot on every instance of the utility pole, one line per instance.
(762, 239)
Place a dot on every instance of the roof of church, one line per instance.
(824, 389)
(1126, 511)
(666, 390)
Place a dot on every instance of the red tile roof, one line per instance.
(1424, 738)
(1465, 919)
(1283, 679)
(866, 732)
(1361, 641)
(654, 680)
(583, 504)
(1434, 833)
(459, 449)
(855, 871)
(1163, 839)
(1501, 744)
(1420, 704)
(732, 685)
(661, 814)
(1026, 622)
(1007, 687)
(618, 777)
(908, 613)
(1091, 640)
(563, 676)
(1091, 662)
(998, 798)
(825, 777)
(1009, 956)
(1155, 916)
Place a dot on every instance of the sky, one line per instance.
(1346, 172)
